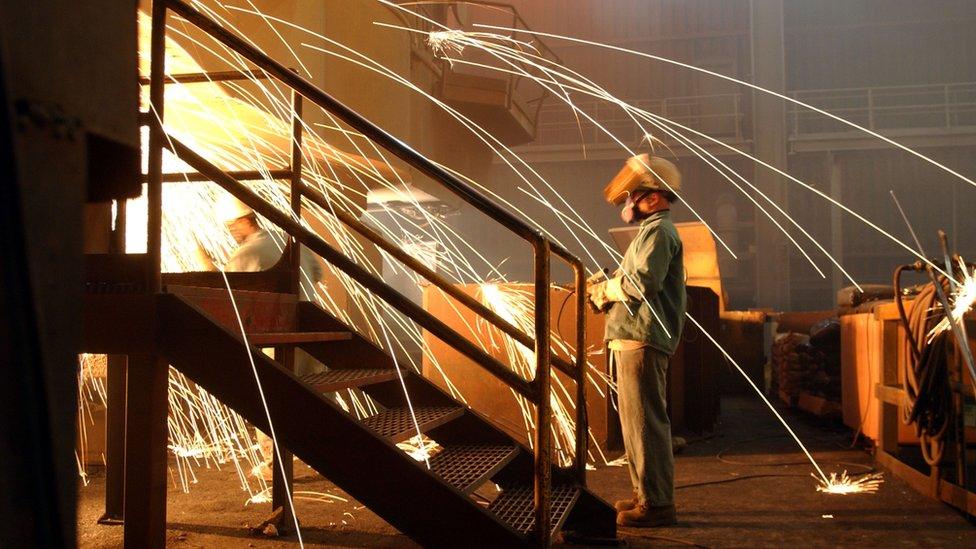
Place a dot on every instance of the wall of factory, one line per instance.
(843, 43)
(871, 43)
(706, 33)
(932, 200)
(709, 33)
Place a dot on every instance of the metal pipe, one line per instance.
(356, 121)
(241, 175)
(316, 244)
(154, 191)
(543, 438)
(205, 77)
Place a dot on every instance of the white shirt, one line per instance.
(259, 252)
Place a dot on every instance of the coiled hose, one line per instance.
(926, 372)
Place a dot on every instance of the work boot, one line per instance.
(625, 504)
(647, 516)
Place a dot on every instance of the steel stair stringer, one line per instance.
(371, 469)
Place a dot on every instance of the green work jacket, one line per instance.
(653, 278)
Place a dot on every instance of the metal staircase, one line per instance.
(187, 320)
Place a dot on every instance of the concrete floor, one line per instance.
(739, 510)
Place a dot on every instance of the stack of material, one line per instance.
(807, 367)
(790, 366)
(825, 341)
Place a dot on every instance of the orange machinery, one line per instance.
(873, 356)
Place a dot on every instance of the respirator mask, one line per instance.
(629, 213)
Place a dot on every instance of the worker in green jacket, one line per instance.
(644, 302)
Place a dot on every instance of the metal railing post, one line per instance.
(870, 109)
(543, 438)
(796, 116)
(296, 187)
(154, 190)
(582, 427)
(945, 95)
(738, 117)
(283, 472)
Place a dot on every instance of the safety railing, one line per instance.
(941, 106)
(719, 115)
(536, 390)
(529, 96)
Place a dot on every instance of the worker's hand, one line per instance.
(596, 292)
(204, 261)
(596, 296)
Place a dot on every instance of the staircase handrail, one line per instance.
(537, 390)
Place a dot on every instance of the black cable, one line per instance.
(559, 316)
(672, 540)
(736, 479)
(927, 384)
(718, 456)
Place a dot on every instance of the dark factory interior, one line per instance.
(388, 273)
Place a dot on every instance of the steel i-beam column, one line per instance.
(770, 138)
(115, 441)
(146, 435)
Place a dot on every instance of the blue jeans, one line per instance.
(642, 399)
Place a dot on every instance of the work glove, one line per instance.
(596, 292)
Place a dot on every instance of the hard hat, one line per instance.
(228, 208)
(643, 172)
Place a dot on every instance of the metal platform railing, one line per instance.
(719, 115)
(941, 106)
(529, 95)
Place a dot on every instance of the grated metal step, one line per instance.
(397, 424)
(468, 466)
(515, 506)
(337, 379)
